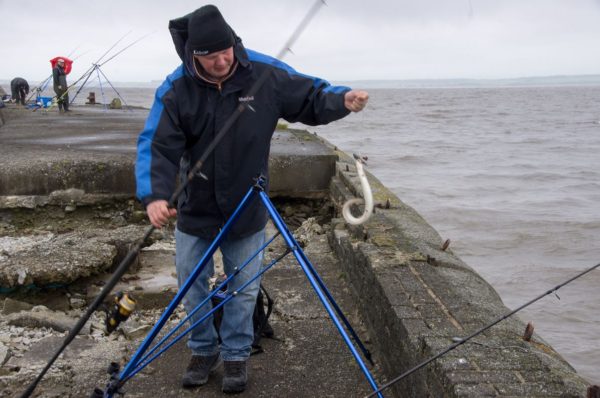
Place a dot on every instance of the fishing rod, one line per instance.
(113, 46)
(89, 71)
(100, 72)
(119, 52)
(96, 67)
(461, 341)
(196, 170)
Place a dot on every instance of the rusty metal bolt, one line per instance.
(445, 245)
(528, 332)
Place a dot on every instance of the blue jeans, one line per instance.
(237, 331)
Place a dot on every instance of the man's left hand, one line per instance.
(355, 100)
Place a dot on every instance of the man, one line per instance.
(19, 89)
(59, 77)
(190, 107)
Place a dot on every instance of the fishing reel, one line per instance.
(123, 306)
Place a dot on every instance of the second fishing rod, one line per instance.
(460, 341)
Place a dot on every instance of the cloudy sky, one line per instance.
(347, 40)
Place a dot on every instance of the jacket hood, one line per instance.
(179, 33)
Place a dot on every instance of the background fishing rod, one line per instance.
(95, 65)
(125, 48)
(478, 332)
(196, 170)
(99, 59)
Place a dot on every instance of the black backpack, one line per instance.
(260, 317)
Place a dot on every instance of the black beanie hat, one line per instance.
(208, 32)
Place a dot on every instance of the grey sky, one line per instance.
(348, 40)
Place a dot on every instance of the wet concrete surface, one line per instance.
(45, 150)
(74, 133)
(307, 358)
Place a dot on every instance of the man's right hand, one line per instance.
(159, 213)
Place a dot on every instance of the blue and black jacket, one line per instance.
(188, 112)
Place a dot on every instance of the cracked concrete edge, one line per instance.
(416, 297)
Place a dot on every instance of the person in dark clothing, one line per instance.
(60, 85)
(190, 107)
(19, 89)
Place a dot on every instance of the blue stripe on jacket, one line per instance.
(143, 163)
(265, 59)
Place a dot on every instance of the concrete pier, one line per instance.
(407, 297)
(92, 150)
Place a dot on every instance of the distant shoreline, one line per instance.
(532, 81)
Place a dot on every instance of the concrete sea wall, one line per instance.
(417, 297)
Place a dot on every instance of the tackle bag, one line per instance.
(260, 317)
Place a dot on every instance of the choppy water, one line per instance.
(511, 176)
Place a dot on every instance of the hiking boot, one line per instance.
(199, 368)
(235, 376)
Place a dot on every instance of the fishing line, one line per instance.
(113, 46)
(96, 65)
(119, 52)
(88, 73)
(478, 332)
(196, 170)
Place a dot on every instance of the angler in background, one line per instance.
(59, 77)
(193, 104)
(19, 89)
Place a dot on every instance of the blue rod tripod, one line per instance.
(141, 358)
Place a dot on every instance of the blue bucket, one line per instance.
(45, 101)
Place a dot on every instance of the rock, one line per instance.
(70, 196)
(22, 201)
(4, 354)
(48, 259)
(303, 208)
(119, 220)
(77, 303)
(5, 338)
(138, 216)
(288, 211)
(21, 276)
(133, 330)
(56, 302)
(305, 233)
(12, 306)
(45, 319)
